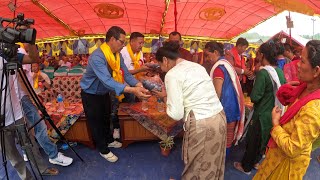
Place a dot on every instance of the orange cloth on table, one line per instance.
(135, 60)
(36, 80)
(114, 63)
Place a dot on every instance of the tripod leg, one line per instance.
(3, 153)
(30, 148)
(63, 138)
(39, 105)
(13, 154)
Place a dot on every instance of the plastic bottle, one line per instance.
(160, 105)
(60, 103)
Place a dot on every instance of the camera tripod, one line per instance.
(43, 110)
(45, 116)
(17, 128)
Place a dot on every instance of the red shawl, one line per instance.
(287, 94)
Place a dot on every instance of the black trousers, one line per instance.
(253, 153)
(97, 109)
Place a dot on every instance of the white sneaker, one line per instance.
(116, 133)
(115, 144)
(25, 158)
(61, 160)
(110, 157)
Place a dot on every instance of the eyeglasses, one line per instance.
(122, 42)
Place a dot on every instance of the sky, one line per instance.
(302, 24)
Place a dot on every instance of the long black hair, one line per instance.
(170, 50)
(313, 48)
(270, 52)
(214, 45)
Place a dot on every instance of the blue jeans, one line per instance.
(40, 130)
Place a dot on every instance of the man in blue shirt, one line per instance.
(100, 79)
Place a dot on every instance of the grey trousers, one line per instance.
(15, 157)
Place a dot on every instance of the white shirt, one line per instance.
(13, 109)
(44, 76)
(22, 91)
(68, 64)
(127, 59)
(189, 87)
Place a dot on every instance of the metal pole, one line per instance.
(313, 20)
(290, 30)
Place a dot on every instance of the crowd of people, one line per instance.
(207, 95)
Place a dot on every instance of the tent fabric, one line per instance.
(223, 19)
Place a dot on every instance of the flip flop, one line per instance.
(50, 172)
(239, 167)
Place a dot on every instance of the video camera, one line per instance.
(17, 34)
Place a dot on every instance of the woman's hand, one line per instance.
(276, 114)
(160, 94)
(294, 83)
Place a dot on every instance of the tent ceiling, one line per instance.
(223, 19)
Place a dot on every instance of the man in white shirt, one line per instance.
(32, 115)
(12, 113)
(40, 80)
(65, 62)
(132, 54)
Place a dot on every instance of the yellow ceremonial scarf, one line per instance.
(36, 80)
(135, 59)
(114, 63)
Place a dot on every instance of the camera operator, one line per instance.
(13, 116)
(32, 115)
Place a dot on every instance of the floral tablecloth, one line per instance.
(158, 123)
(63, 120)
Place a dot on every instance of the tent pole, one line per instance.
(290, 30)
(175, 15)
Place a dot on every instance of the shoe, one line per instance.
(61, 160)
(116, 133)
(239, 167)
(110, 157)
(50, 172)
(25, 158)
(115, 144)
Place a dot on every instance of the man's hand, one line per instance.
(248, 73)
(140, 92)
(40, 78)
(144, 68)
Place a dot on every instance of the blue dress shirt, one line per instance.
(97, 78)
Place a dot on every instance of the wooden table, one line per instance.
(132, 129)
(78, 131)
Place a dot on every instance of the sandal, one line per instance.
(50, 172)
(256, 166)
(239, 167)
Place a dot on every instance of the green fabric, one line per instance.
(316, 144)
(60, 70)
(262, 96)
(77, 67)
(49, 67)
(50, 74)
(63, 67)
(75, 71)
